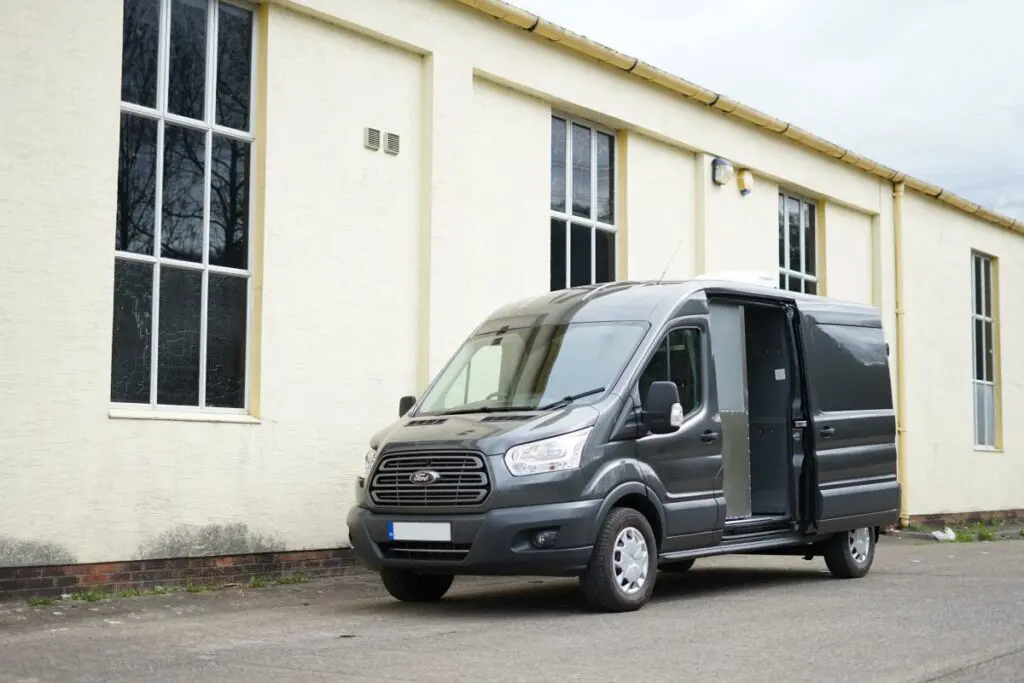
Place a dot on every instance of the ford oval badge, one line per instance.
(424, 477)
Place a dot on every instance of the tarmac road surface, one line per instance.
(952, 613)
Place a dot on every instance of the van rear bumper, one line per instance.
(498, 542)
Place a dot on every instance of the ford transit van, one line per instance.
(611, 431)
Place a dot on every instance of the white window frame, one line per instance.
(986, 418)
(591, 221)
(209, 126)
(802, 274)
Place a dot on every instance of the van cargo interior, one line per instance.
(753, 367)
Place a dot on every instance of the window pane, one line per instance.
(225, 345)
(783, 281)
(810, 287)
(979, 414)
(557, 164)
(181, 231)
(604, 256)
(229, 203)
(136, 185)
(234, 66)
(580, 171)
(809, 260)
(139, 41)
(579, 255)
(990, 371)
(793, 211)
(684, 366)
(656, 371)
(989, 393)
(133, 332)
(605, 178)
(978, 286)
(186, 91)
(558, 263)
(986, 272)
(979, 350)
(782, 233)
(177, 381)
(858, 355)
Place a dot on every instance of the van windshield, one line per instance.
(533, 367)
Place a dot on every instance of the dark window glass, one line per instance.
(782, 233)
(229, 203)
(181, 292)
(793, 211)
(604, 256)
(140, 39)
(181, 229)
(990, 371)
(558, 164)
(234, 66)
(225, 350)
(558, 261)
(605, 178)
(810, 287)
(136, 185)
(186, 92)
(979, 307)
(133, 332)
(579, 255)
(979, 350)
(581, 190)
(678, 359)
(849, 367)
(986, 273)
(809, 247)
(783, 281)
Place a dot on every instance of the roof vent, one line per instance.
(371, 139)
(391, 143)
(750, 277)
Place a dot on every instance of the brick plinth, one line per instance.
(956, 518)
(111, 577)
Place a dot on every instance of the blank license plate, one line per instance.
(420, 531)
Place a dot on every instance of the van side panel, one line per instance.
(853, 424)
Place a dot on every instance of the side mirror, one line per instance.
(664, 412)
(405, 404)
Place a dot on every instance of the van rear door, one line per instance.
(851, 435)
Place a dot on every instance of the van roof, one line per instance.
(654, 301)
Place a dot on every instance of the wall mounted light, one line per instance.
(745, 181)
(721, 171)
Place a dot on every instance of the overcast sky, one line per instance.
(934, 88)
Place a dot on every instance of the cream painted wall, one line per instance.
(740, 233)
(849, 253)
(660, 207)
(946, 474)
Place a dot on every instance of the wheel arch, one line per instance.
(637, 496)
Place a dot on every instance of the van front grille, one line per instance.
(422, 480)
(425, 551)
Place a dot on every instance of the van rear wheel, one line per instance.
(410, 586)
(850, 554)
(622, 569)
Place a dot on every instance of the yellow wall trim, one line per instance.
(526, 21)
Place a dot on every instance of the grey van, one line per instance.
(607, 432)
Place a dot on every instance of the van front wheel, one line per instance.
(850, 554)
(409, 586)
(621, 573)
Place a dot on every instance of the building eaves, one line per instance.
(582, 45)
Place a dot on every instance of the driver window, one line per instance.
(678, 359)
(479, 379)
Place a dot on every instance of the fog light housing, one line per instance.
(544, 539)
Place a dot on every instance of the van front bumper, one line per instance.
(497, 542)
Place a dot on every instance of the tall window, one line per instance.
(181, 239)
(798, 263)
(582, 204)
(983, 332)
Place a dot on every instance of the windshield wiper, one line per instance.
(566, 400)
(486, 409)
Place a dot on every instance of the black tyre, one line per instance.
(850, 554)
(410, 586)
(677, 567)
(624, 565)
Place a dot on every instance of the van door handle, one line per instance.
(827, 432)
(708, 436)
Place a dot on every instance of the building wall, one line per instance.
(946, 473)
(374, 266)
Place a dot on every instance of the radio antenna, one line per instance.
(671, 258)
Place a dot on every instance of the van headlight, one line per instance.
(368, 460)
(550, 455)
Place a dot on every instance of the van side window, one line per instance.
(678, 359)
(848, 367)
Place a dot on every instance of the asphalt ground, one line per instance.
(927, 612)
